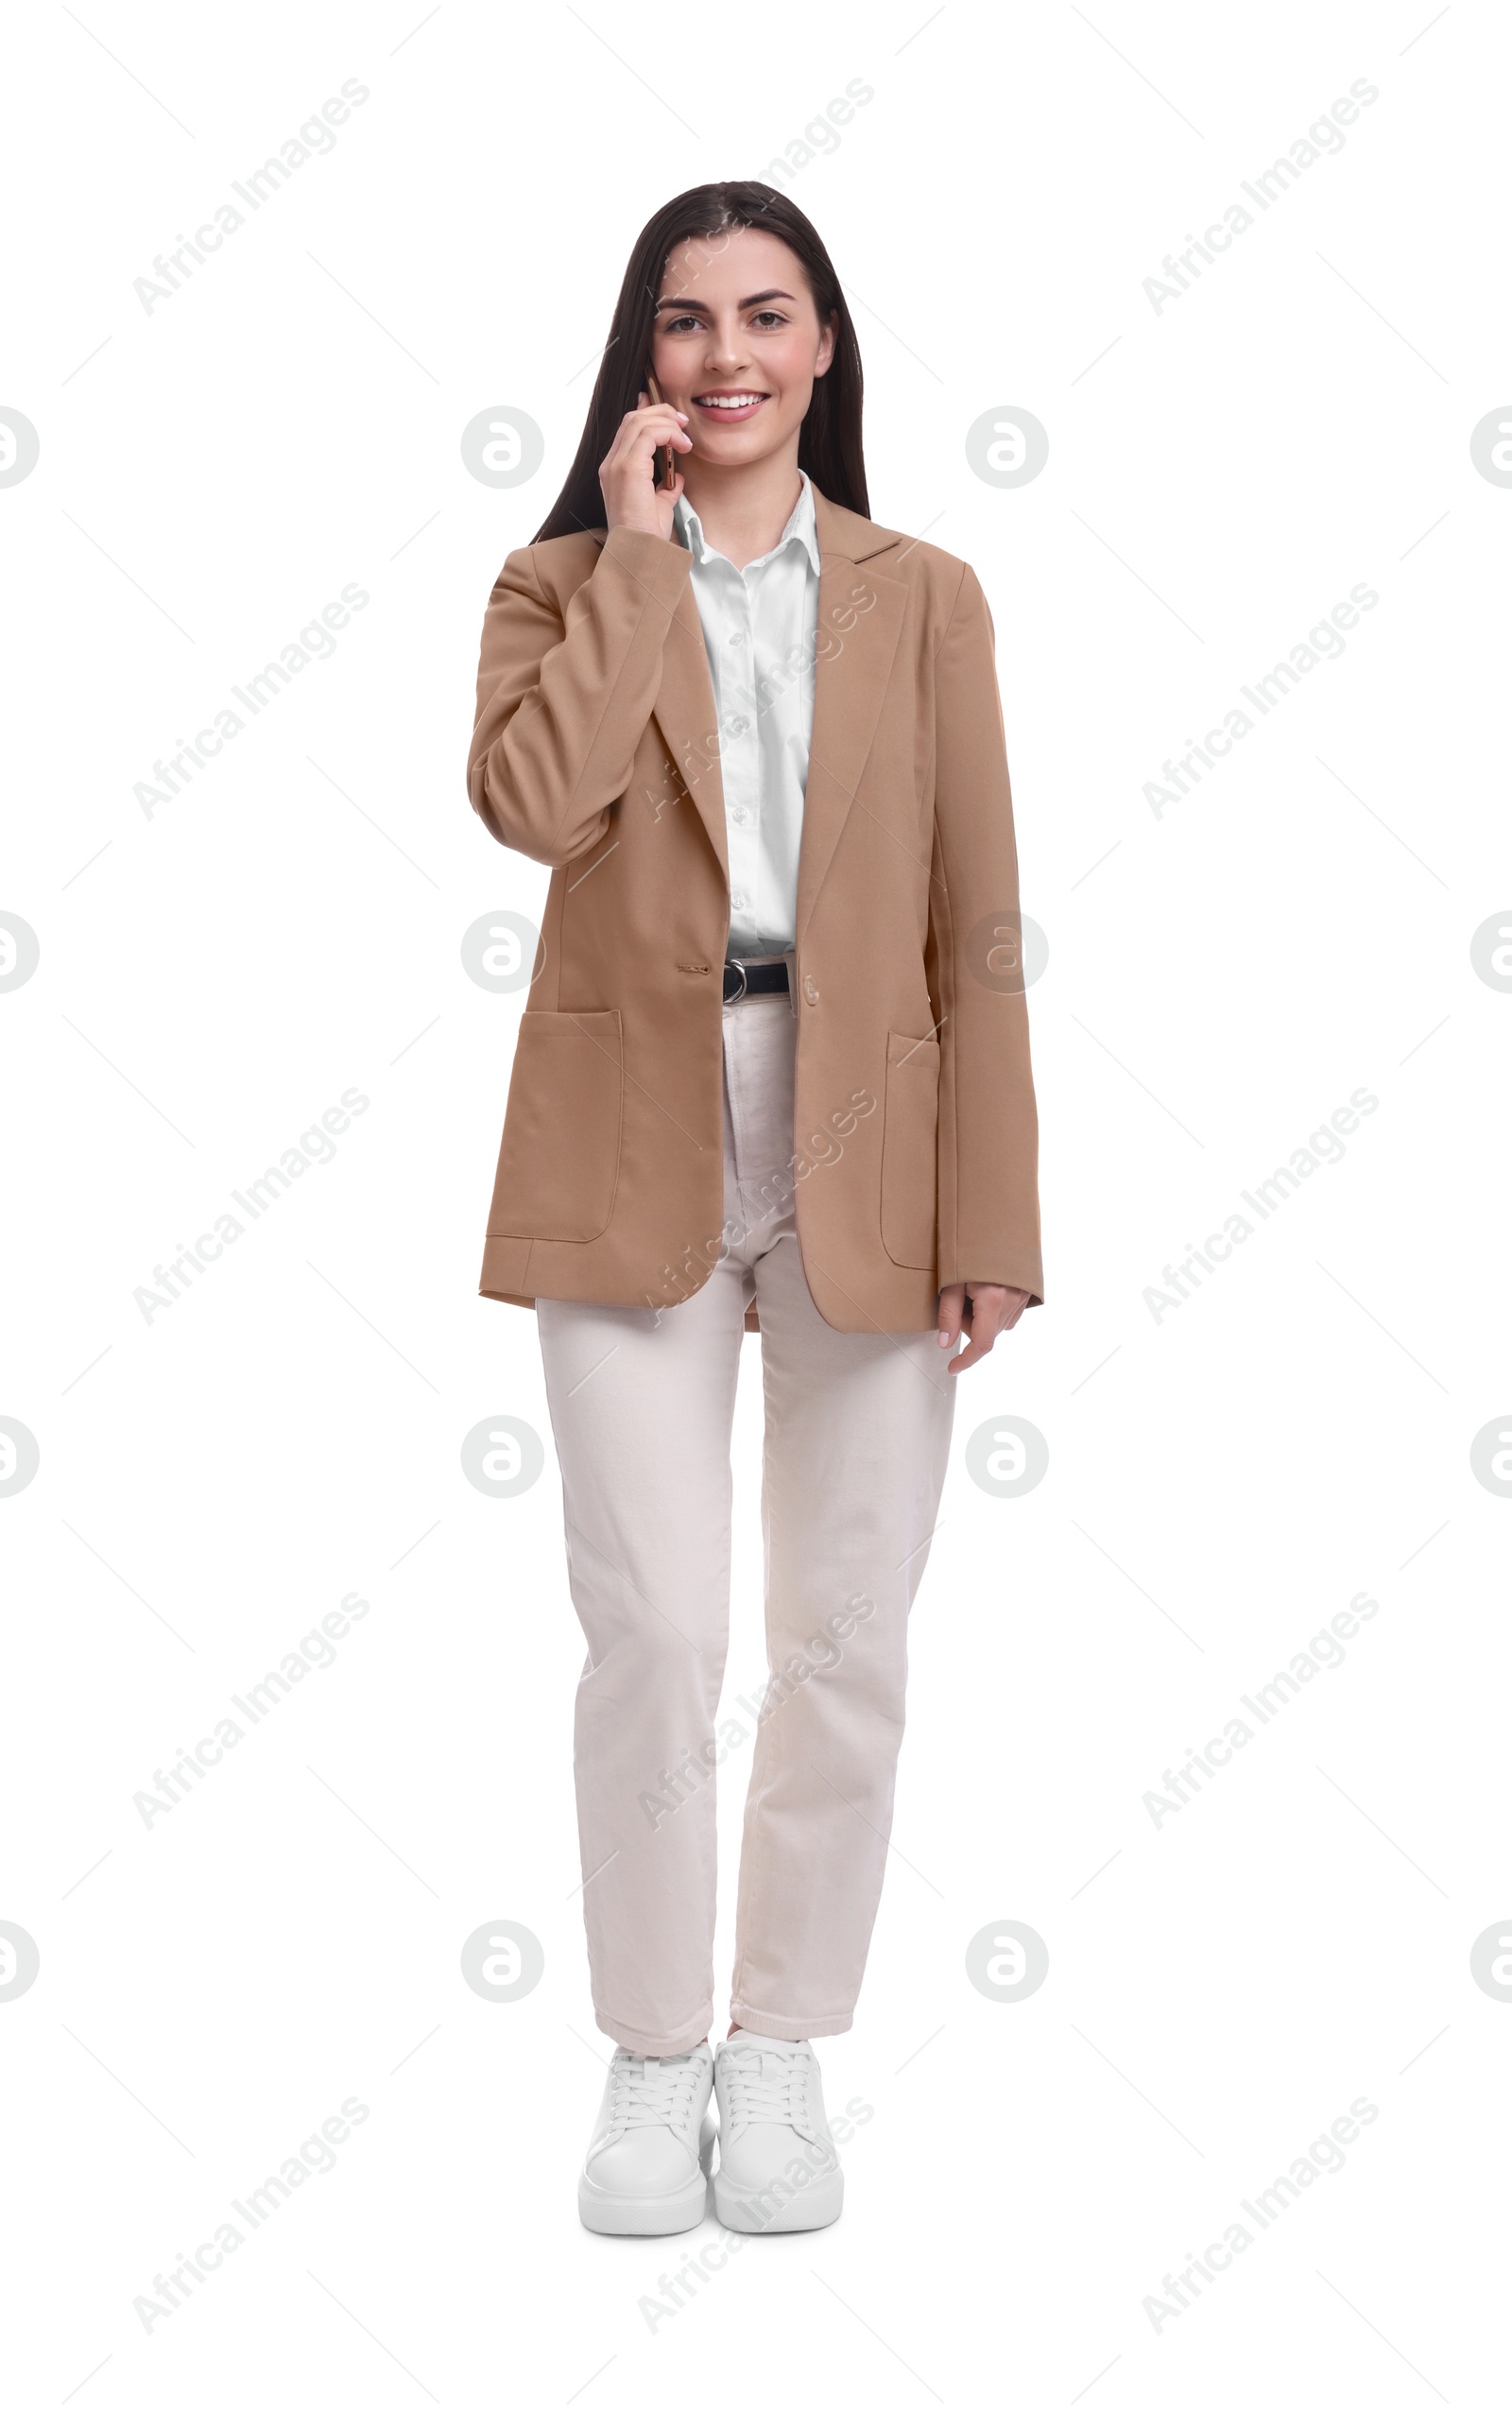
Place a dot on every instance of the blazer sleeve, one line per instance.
(989, 1127)
(564, 696)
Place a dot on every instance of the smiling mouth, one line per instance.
(742, 404)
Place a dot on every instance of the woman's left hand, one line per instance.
(993, 1310)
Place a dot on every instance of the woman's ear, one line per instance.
(827, 343)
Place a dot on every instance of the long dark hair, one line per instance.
(829, 444)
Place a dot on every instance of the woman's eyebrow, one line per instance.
(750, 302)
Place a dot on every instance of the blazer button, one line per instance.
(811, 991)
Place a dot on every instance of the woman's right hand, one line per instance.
(629, 470)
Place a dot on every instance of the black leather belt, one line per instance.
(754, 979)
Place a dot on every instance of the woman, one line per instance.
(774, 1076)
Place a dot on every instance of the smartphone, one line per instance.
(666, 458)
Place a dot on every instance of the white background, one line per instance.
(1222, 1481)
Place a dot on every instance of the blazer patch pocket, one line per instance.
(560, 1160)
(909, 1135)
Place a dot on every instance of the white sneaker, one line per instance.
(646, 2170)
(779, 2169)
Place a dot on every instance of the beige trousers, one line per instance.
(857, 1436)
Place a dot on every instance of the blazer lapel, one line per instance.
(685, 713)
(860, 617)
(687, 717)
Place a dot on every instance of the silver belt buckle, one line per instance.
(733, 995)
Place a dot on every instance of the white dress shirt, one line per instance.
(760, 629)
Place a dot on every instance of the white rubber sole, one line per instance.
(607, 2213)
(767, 2213)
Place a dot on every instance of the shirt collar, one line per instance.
(801, 528)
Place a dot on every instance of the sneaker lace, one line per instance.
(653, 2093)
(767, 2089)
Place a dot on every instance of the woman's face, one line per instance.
(737, 344)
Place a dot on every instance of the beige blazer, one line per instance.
(596, 750)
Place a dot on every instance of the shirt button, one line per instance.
(811, 991)
(738, 902)
(738, 812)
(736, 638)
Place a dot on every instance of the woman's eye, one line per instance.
(769, 318)
(678, 326)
